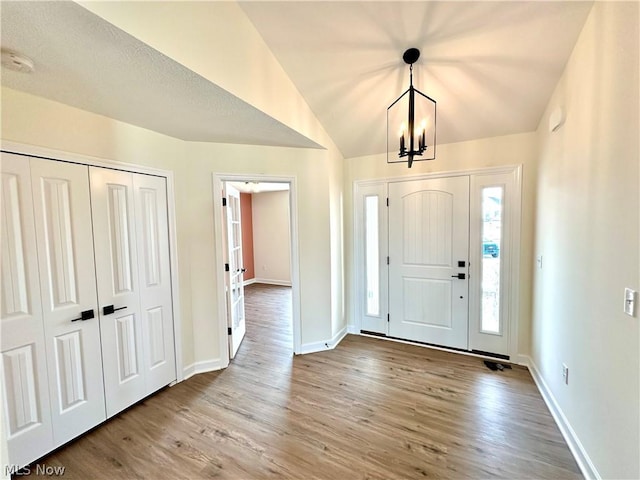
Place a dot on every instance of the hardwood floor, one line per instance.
(368, 409)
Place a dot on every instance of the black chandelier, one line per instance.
(411, 122)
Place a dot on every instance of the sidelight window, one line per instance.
(492, 223)
(372, 255)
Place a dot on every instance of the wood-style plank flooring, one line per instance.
(368, 409)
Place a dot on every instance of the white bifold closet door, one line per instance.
(152, 232)
(24, 365)
(134, 286)
(69, 302)
(86, 314)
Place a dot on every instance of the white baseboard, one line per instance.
(575, 445)
(326, 345)
(249, 282)
(202, 367)
(523, 360)
(270, 281)
(352, 329)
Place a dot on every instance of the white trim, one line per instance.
(377, 323)
(353, 329)
(514, 279)
(267, 281)
(52, 154)
(514, 274)
(506, 342)
(581, 456)
(60, 155)
(324, 345)
(201, 367)
(450, 173)
(218, 179)
(251, 281)
(521, 360)
(435, 347)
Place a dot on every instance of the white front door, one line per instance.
(112, 203)
(428, 267)
(235, 274)
(69, 301)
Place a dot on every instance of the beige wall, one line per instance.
(35, 121)
(336, 196)
(587, 231)
(272, 237)
(219, 42)
(491, 152)
(582, 200)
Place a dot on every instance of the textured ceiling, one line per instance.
(83, 61)
(491, 66)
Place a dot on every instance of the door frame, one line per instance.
(62, 156)
(229, 285)
(218, 180)
(513, 308)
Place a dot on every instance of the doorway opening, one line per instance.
(256, 240)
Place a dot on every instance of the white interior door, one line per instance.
(27, 414)
(112, 204)
(428, 249)
(152, 233)
(69, 301)
(235, 277)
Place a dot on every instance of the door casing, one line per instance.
(512, 308)
(218, 182)
(235, 274)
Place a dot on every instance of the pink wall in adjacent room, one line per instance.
(247, 235)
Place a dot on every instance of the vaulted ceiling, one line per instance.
(491, 66)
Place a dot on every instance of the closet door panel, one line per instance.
(112, 204)
(24, 365)
(68, 285)
(155, 281)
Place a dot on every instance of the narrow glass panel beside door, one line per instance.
(491, 245)
(372, 254)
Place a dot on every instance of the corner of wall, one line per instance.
(577, 449)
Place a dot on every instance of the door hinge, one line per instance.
(226, 267)
(387, 317)
(224, 202)
(387, 260)
(387, 201)
(228, 330)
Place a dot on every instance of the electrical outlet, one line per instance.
(630, 302)
(565, 374)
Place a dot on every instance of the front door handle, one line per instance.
(461, 276)
(108, 310)
(86, 315)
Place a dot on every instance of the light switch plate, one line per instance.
(630, 302)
